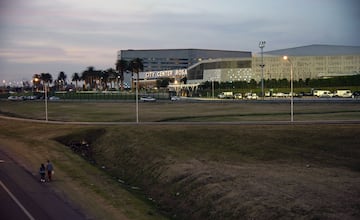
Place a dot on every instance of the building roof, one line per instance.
(316, 50)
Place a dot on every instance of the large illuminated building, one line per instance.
(170, 59)
(313, 61)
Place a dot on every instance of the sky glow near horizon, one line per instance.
(62, 35)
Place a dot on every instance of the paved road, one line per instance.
(22, 196)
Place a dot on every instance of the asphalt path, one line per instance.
(23, 196)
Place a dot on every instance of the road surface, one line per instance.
(23, 196)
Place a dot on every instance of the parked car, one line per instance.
(148, 99)
(16, 98)
(54, 98)
(238, 96)
(175, 98)
(356, 94)
(252, 96)
(30, 97)
(325, 94)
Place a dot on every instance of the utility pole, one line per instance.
(262, 65)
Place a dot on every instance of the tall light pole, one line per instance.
(137, 100)
(262, 65)
(212, 88)
(46, 100)
(291, 88)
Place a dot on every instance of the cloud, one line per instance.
(70, 34)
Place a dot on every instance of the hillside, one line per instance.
(234, 172)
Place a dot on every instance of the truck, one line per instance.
(344, 93)
(226, 95)
(323, 93)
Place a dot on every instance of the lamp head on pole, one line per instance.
(287, 59)
(262, 44)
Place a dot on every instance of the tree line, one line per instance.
(92, 78)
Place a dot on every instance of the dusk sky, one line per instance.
(64, 35)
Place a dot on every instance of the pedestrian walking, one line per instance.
(50, 170)
(42, 173)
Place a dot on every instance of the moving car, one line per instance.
(148, 99)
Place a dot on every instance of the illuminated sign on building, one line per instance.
(163, 74)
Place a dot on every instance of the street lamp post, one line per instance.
(291, 88)
(137, 100)
(262, 65)
(46, 104)
(212, 87)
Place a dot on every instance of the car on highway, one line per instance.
(147, 99)
(175, 98)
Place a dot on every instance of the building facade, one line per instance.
(221, 70)
(313, 61)
(170, 59)
(309, 62)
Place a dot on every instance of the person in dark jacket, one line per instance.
(42, 171)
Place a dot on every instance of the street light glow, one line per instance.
(291, 88)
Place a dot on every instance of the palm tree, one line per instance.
(104, 77)
(76, 78)
(91, 76)
(36, 82)
(46, 77)
(112, 76)
(135, 66)
(121, 67)
(62, 79)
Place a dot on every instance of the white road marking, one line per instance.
(17, 201)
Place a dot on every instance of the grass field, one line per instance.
(181, 111)
(196, 172)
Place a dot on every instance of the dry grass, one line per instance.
(198, 172)
(86, 186)
(242, 171)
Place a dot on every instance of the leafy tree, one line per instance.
(184, 80)
(163, 83)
